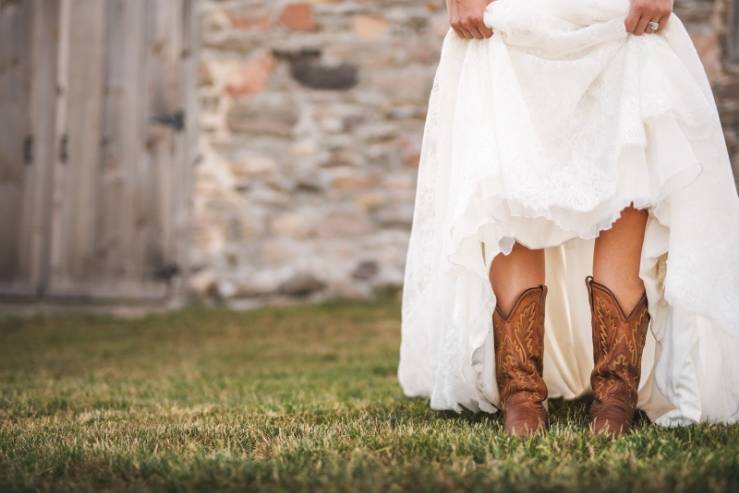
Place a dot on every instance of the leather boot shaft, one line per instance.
(618, 343)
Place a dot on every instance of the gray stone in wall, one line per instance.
(366, 270)
(259, 115)
(316, 75)
(301, 284)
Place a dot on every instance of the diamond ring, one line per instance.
(653, 25)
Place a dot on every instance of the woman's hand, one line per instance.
(643, 11)
(465, 17)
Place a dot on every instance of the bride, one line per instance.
(576, 225)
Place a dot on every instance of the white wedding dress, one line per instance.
(542, 134)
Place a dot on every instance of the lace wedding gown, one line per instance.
(542, 134)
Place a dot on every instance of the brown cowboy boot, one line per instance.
(618, 342)
(519, 351)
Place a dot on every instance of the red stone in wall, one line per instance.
(247, 23)
(299, 17)
(251, 78)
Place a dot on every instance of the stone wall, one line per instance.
(724, 74)
(312, 115)
(707, 22)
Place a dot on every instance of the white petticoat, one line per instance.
(542, 134)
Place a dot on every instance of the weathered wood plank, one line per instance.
(43, 119)
(185, 173)
(16, 173)
(123, 137)
(126, 118)
(163, 141)
(59, 154)
(73, 259)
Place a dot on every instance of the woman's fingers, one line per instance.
(632, 20)
(641, 26)
(467, 18)
(477, 31)
(456, 30)
(459, 31)
(467, 33)
(480, 29)
(472, 29)
(642, 12)
(464, 28)
(486, 31)
(475, 27)
(663, 22)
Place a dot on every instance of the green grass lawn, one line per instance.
(290, 399)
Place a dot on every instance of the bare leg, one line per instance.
(511, 274)
(617, 255)
(519, 364)
(618, 341)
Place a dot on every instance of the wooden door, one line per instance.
(115, 191)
